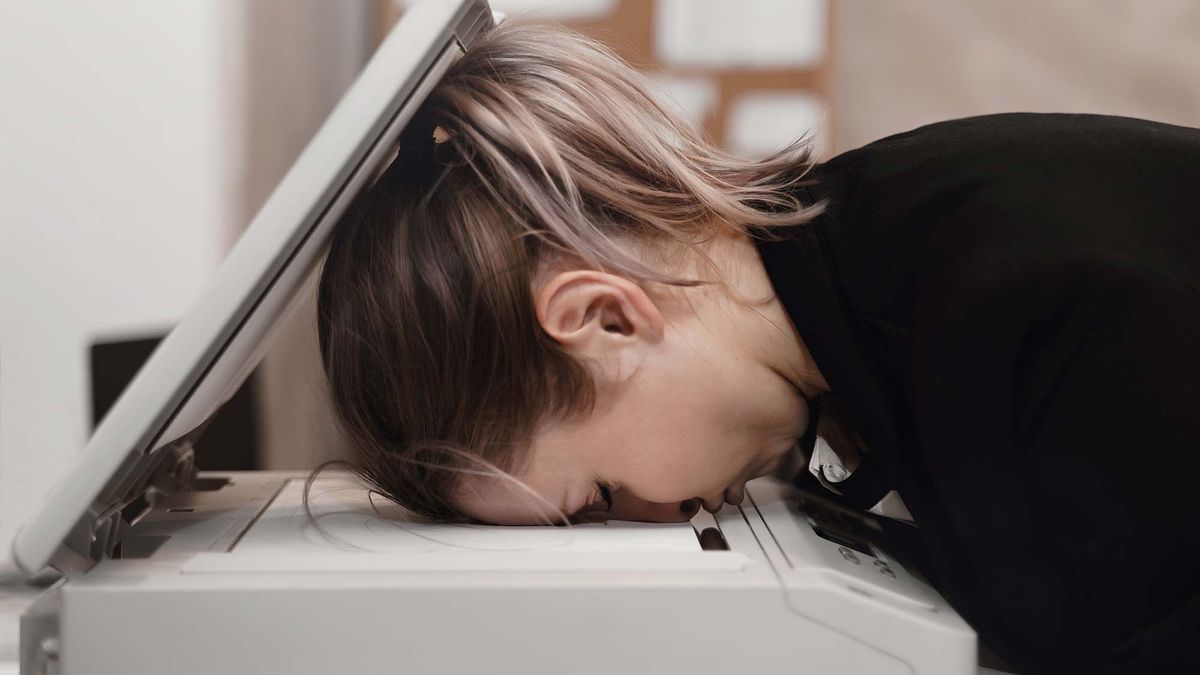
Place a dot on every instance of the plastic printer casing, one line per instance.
(157, 577)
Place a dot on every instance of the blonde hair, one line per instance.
(547, 146)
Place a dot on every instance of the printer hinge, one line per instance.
(172, 470)
(149, 478)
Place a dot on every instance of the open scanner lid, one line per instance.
(142, 449)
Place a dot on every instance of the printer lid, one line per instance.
(141, 451)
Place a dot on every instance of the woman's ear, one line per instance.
(592, 313)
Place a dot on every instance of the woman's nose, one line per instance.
(730, 495)
(629, 507)
(734, 494)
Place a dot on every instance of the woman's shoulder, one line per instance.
(1014, 129)
(1019, 145)
(988, 191)
(1009, 206)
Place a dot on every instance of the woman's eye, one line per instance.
(605, 495)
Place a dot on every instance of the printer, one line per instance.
(167, 570)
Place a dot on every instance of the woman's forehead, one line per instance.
(541, 482)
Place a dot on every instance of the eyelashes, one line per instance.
(605, 495)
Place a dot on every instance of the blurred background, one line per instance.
(137, 141)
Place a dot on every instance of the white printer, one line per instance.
(170, 571)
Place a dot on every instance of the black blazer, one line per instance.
(1008, 307)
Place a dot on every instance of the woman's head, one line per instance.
(521, 307)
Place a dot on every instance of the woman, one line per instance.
(560, 299)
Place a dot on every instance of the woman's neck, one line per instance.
(743, 308)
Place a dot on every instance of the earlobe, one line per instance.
(589, 311)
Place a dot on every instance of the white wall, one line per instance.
(300, 57)
(115, 136)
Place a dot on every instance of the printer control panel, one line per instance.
(860, 546)
(858, 537)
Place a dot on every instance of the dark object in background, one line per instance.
(229, 444)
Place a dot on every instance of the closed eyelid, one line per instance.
(606, 495)
(606, 491)
(574, 513)
(594, 497)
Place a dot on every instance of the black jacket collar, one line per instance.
(802, 271)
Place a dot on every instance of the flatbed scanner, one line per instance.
(167, 570)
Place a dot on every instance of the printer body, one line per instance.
(167, 570)
(796, 584)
